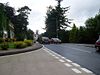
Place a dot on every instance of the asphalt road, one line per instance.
(83, 55)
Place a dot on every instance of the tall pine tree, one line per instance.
(56, 20)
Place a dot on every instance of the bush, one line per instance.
(1, 40)
(20, 44)
(4, 46)
(11, 45)
(13, 39)
(7, 40)
(28, 42)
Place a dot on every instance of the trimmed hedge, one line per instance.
(28, 42)
(20, 44)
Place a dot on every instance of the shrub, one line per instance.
(20, 44)
(4, 46)
(28, 42)
(11, 45)
(13, 39)
(7, 40)
(1, 40)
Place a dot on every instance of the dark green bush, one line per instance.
(4, 46)
(1, 40)
(7, 40)
(28, 42)
(12, 39)
(20, 44)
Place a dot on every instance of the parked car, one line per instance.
(97, 45)
(55, 40)
(45, 40)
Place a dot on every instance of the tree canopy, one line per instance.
(20, 21)
(56, 20)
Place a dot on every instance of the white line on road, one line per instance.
(61, 60)
(53, 55)
(76, 70)
(68, 60)
(56, 57)
(81, 50)
(63, 57)
(68, 65)
(86, 70)
(75, 64)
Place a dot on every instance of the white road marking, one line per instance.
(75, 64)
(56, 57)
(76, 70)
(61, 60)
(68, 65)
(68, 60)
(86, 70)
(63, 57)
(53, 55)
(77, 49)
(47, 51)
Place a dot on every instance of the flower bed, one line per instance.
(13, 45)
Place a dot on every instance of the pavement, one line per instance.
(40, 62)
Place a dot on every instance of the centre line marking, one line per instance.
(77, 49)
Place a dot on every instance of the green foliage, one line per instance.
(30, 34)
(64, 36)
(88, 33)
(1, 40)
(4, 46)
(82, 37)
(56, 20)
(11, 45)
(28, 42)
(20, 44)
(93, 28)
(3, 19)
(9, 39)
(73, 34)
(20, 23)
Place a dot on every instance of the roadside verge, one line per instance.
(36, 46)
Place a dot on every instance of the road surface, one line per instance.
(82, 54)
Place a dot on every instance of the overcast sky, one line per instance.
(80, 10)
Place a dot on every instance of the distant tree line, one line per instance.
(19, 18)
(88, 33)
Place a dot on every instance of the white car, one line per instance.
(56, 40)
(45, 40)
